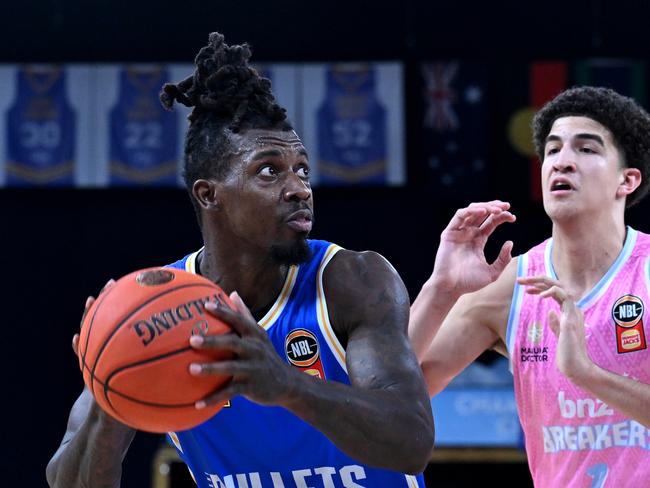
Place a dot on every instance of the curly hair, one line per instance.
(628, 122)
(227, 96)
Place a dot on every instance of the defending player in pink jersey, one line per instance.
(571, 313)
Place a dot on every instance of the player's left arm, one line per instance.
(368, 307)
(623, 393)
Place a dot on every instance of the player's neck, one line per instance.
(257, 281)
(583, 251)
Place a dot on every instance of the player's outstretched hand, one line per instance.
(571, 357)
(89, 301)
(257, 371)
(460, 265)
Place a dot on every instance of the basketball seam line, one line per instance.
(124, 320)
(128, 397)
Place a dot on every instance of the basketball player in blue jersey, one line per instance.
(326, 391)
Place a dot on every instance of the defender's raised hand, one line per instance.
(460, 265)
(569, 326)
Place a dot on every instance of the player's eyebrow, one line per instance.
(585, 135)
(591, 137)
(276, 153)
(268, 153)
(278, 140)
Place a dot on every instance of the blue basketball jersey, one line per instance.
(144, 136)
(247, 445)
(41, 130)
(351, 129)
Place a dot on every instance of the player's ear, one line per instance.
(630, 181)
(205, 193)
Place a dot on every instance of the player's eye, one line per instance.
(267, 170)
(303, 172)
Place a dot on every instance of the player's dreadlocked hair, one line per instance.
(628, 122)
(227, 96)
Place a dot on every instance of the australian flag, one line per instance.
(454, 127)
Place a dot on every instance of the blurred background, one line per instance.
(409, 110)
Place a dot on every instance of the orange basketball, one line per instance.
(134, 349)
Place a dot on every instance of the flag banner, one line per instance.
(523, 89)
(454, 127)
(353, 123)
(627, 77)
(40, 129)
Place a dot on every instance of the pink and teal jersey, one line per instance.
(573, 439)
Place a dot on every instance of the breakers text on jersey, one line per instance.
(594, 437)
(329, 477)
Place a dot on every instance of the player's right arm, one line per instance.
(479, 293)
(92, 450)
(94, 444)
(476, 322)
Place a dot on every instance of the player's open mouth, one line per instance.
(561, 186)
(300, 221)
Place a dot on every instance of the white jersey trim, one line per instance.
(515, 309)
(323, 315)
(175, 440)
(276, 310)
(190, 262)
(602, 285)
(411, 481)
(647, 275)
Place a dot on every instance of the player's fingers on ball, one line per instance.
(87, 305)
(242, 324)
(108, 284)
(222, 395)
(240, 306)
(75, 344)
(223, 342)
(224, 368)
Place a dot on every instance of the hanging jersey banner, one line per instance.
(40, 130)
(143, 135)
(351, 128)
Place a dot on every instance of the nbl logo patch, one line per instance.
(627, 313)
(303, 351)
